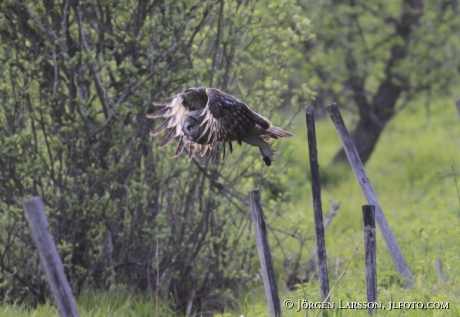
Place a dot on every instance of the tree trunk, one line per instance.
(374, 116)
(365, 137)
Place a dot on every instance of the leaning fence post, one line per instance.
(265, 257)
(35, 214)
(366, 187)
(317, 208)
(370, 254)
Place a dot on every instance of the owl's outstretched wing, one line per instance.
(227, 118)
(175, 109)
(222, 118)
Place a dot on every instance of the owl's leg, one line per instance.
(265, 150)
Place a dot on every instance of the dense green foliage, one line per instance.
(76, 81)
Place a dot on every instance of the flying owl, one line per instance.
(208, 116)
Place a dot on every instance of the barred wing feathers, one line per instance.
(207, 116)
(175, 111)
(227, 118)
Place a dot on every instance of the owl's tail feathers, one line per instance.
(274, 133)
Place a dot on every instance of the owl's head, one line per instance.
(192, 129)
(195, 98)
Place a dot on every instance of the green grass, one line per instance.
(118, 302)
(410, 171)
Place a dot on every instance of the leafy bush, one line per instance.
(76, 82)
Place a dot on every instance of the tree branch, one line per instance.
(102, 92)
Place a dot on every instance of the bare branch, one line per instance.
(56, 77)
(102, 92)
(41, 27)
(132, 89)
(64, 17)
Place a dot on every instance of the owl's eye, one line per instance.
(187, 128)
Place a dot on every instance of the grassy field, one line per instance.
(411, 172)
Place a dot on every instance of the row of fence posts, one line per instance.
(266, 261)
(371, 213)
(35, 214)
(52, 264)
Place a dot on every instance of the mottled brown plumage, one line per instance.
(208, 116)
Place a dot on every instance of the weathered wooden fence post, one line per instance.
(440, 270)
(35, 214)
(366, 187)
(317, 207)
(370, 254)
(457, 105)
(265, 257)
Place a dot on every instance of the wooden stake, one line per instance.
(265, 257)
(51, 262)
(457, 105)
(317, 207)
(370, 254)
(439, 270)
